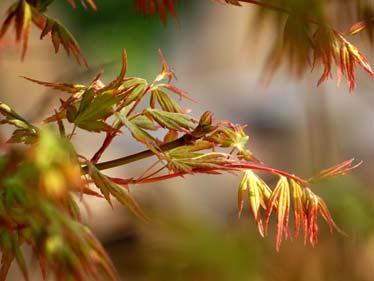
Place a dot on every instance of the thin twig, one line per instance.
(185, 139)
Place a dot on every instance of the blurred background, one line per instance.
(218, 53)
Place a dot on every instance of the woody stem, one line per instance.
(185, 139)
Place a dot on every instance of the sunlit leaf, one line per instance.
(108, 188)
(171, 120)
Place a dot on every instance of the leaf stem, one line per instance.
(72, 132)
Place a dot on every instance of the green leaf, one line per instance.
(93, 110)
(87, 98)
(208, 161)
(171, 120)
(109, 188)
(144, 122)
(135, 89)
(186, 158)
(94, 126)
(188, 151)
(139, 134)
(121, 115)
(99, 107)
(166, 103)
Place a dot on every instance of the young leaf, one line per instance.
(166, 103)
(109, 188)
(61, 36)
(279, 199)
(171, 120)
(144, 122)
(162, 7)
(20, 12)
(94, 109)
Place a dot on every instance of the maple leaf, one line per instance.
(171, 120)
(109, 188)
(289, 193)
(61, 36)
(21, 14)
(162, 7)
(279, 199)
(258, 196)
(330, 48)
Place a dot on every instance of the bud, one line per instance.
(205, 125)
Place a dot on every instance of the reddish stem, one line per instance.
(231, 167)
(107, 141)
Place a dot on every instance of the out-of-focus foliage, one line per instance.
(43, 175)
(38, 208)
(307, 35)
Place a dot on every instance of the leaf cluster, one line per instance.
(43, 179)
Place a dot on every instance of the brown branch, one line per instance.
(185, 139)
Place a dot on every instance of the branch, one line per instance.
(185, 139)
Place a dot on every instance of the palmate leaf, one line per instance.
(279, 200)
(170, 120)
(234, 136)
(24, 12)
(199, 161)
(141, 135)
(163, 99)
(134, 88)
(93, 110)
(144, 122)
(162, 7)
(189, 157)
(190, 151)
(109, 188)
(258, 196)
(20, 13)
(290, 193)
(61, 36)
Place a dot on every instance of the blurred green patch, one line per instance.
(116, 25)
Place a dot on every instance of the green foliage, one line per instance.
(41, 180)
